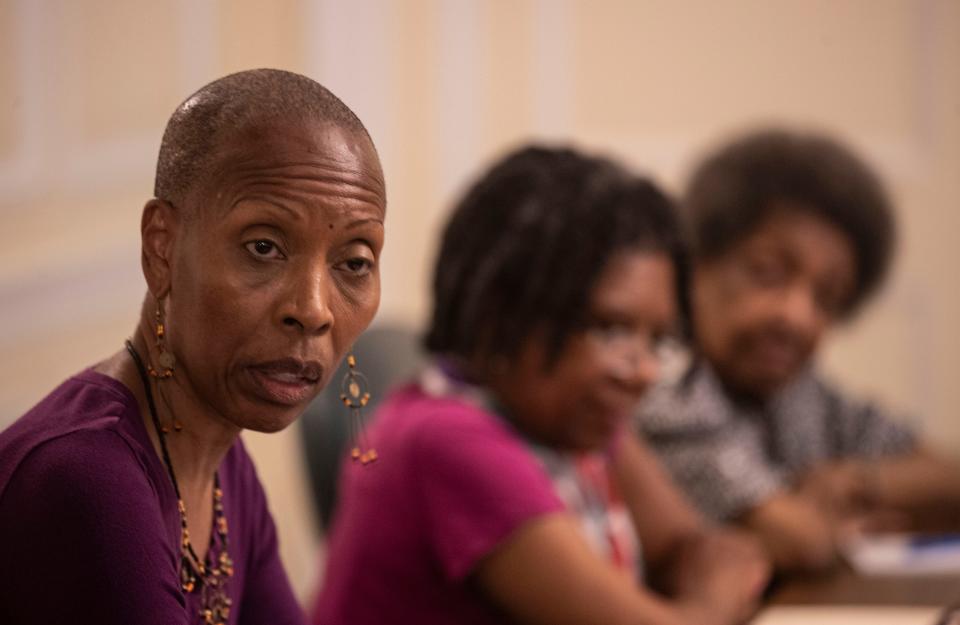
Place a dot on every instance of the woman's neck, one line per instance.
(198, 448)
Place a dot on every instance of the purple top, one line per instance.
(89, 530)
(452, 482)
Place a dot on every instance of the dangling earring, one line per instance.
(165, 359)
(354, 395)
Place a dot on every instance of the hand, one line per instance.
(878, 521)
(843, 490)
(847, 493)
(721, 576)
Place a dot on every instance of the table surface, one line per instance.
(843, 586)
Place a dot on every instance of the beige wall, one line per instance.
(444, 85)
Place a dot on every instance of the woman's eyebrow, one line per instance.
(361, 222)
(266, 202)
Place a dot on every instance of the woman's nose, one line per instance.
(307, 302)
(638, 368)
(799, 310)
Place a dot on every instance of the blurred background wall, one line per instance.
(86, 87)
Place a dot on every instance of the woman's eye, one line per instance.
(358, 266)
(262, 248)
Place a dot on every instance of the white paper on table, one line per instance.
(903, 554)
(847, 615)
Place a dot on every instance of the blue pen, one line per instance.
(933, 541)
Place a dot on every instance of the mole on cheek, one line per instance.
(330, 226)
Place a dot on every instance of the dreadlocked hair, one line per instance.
(525, 246)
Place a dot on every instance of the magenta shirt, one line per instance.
(451, 484)
(89, 530)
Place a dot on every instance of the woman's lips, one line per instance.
(288, 381)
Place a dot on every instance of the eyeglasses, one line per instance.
(628, 347)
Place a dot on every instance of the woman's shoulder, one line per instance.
(80, 432)
(80, 462)
(453, 440)
(86, 483)
(82, 498)
(415, 417)
(87, 400)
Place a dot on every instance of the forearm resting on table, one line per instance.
(923, 486)
(663, 518)
(547, 574)
(800, 527)
(731, 561)
(795, 532)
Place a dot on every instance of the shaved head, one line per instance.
(231, 106)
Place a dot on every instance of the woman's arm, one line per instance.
(801, 528)
(646, 487)
(545, 573)
(684, 554)
(919, 491)
(924, 486)
(795, 532)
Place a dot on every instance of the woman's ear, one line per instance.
(159, 227)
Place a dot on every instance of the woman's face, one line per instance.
(760, 310)
(603, 369)
(275, 270)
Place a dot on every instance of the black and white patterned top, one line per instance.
(729, 457)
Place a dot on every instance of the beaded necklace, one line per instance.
(194, 572)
